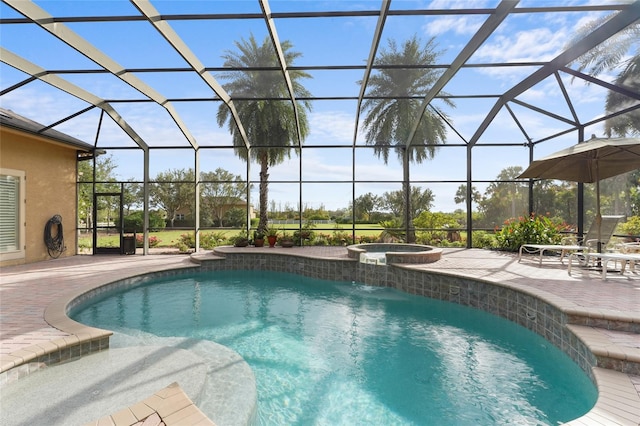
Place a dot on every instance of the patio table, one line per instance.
(624, 258)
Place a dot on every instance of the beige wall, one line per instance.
(50, 171)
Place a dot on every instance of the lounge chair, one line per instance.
(590, 242)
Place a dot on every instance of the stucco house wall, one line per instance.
(50, 183)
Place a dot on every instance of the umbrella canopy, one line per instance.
(589, 162)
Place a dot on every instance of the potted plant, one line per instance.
(272, 236)
(286, 240)
(240, 240)
(305, 233)
(258, 238)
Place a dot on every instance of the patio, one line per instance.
(589, 302)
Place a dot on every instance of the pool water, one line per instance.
(345, 353)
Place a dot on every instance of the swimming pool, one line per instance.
(344, 353)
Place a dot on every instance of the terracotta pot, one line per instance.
(272, 240)
(258, 242)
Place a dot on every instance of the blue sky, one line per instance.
(335, 41)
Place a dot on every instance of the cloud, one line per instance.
(331, 127)
(461, 25)
(538, 44)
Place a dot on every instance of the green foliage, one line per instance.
(341, 238)
(173, 192)
(188, 240)
(241, 239)
(306, 233)
(271, 232)
(484, 240)
(270, 124)
(135, 221)
(208, 240)
(435, 224)
(631, 226)
(388, 122)
(534, 229)
(236, 217)
(219, 190)
(367, 239)
(182, 248)
(392, 230)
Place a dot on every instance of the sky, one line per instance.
(326, 41)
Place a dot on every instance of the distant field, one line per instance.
(169, 238)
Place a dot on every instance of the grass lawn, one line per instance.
(171, 237)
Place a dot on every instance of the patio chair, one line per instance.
(569, 245)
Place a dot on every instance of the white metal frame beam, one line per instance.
(490, 25)
(36, 71)
(384, 11)
(165, 29)
(43, 19)
(283, 64)
(617, 23)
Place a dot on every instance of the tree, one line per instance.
(633, 195)
(392, 111)
(174, 191)
(629, 123)
(420, 201)
(221, 189)
(270, 123)
(132, 195)
(608, 56)
(461, 194)
(105, 182)
(366, 204)
(505, 198)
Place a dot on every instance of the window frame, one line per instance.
(20, 251)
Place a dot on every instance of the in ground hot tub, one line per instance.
(383, 253)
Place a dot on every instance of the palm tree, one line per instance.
(392, 109)
(608, 56)
(269, 123)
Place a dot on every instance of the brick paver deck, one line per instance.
(27, 290)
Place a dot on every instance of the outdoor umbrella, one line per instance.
(589, 162)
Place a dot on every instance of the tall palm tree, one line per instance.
(608, 56)
(391, 112)
(269, 123)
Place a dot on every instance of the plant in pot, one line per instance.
(240, 240)
(272, 236)
(258, 238)
(305, 233)
(286, 240)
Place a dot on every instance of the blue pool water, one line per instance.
(345, 353)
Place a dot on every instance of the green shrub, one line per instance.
(392, 230)
(321, 239)
(135, 220)
(367, 239)
(340, 238)
(484, 240)
(212, 239)
(182, 248)
(530, 230)
(631, 226)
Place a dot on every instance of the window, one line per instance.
(12, 214)
(179, 216)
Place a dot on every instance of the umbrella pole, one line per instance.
(598, 215)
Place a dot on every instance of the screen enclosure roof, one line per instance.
(151, 74)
